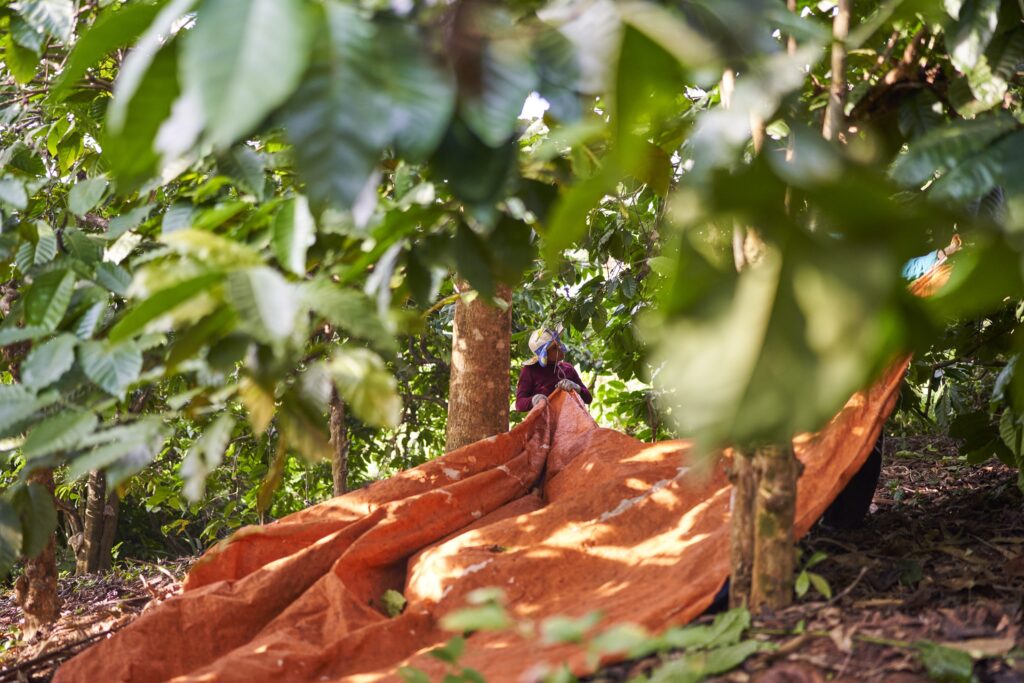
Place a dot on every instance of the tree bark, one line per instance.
(339, 440)
(741, 528)
(36, 589)
(478, 396)
(835, 115)
(777, 471)
(100, 528)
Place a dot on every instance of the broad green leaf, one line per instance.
(61, 432)
(26, 36)
(135, 119)
(113, 277)
(87, 324)
(10, 537)
(17, 405)
(562, 629)
(507, 77)
(945, 147)
(112, 30)
(696, 666)
(212, 250)
(178, 216)
(372, 83)
(365, 384)
(205, 455)
(268, 305)
(483, 618)
(48, 298)
(244, 58)
(21, 61)
(137, 64)
(86, 194)
(628, 639)
(112, 368)
(12, 193)
(160, 303)
(81, 246)
(294, 234)
(472, 260)
(821, 585)
(727, 629)
(349, 310)
(302, 426)
(802, 584)
(127, 221)
(122, 450)
(48, 362)
(38, 517)
(977, 173)
(245, 166)
(55, 18)
(946, 664)
(975, 27)
(450, 651)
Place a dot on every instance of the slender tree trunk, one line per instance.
(777, 471)
(478, 396)
(36, 589)
(741, 528)
(92, 533)
(835, 114)
(111, 510)
(339, 439)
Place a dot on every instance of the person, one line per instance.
(547, 371)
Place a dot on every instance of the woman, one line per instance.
(547, 371)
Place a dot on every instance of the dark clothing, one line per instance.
(534, 379)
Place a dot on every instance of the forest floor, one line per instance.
(940, 560)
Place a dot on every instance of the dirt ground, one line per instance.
(940, 559)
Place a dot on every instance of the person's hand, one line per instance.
(538, 398)
(569, 385)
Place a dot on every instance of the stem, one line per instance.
(777, 470)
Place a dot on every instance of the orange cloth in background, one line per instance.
(565, 517)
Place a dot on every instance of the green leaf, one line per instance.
(161, 303)
(975, 27)
(136, 116)
(244, 58)
(112, 368)
(55, 18)
(205, 455)
(86, 194)
(48, 298)
(38, 518)
(450, 651)
(212, 250)
(821, 585)
(475, 172)
(113, 277)
(507, 77)
(349, 310)
(695, 667)
(137, 64)
(945, 664)
(127, 221)
(128, 446)
(1012, 432)
(303, 427)
(246, 168)
(946, 146)
(727, 629)
(294, 234)
(628, 639)
(21, 61)
(562, 629)
(61, 432)
(411, 674)
(12, 193)
(372, 84)
(365, 384)
(81, 246)
(10, 537)
(394, 602)
(26, 36)
(472, 260)
(17, 405)
(112, 30)
(267, 304)
(483, 618)
(48, 362)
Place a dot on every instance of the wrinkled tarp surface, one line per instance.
(565, 517)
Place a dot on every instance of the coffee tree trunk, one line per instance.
(339, 442)
(100, 528)
(478, 395)
(776, 470)
(36, 589)
(741, 528)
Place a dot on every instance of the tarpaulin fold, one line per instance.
(564, 516)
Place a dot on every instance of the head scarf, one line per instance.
(541, 340)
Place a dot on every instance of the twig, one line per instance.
(853, 584)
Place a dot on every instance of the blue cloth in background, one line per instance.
(916, 267)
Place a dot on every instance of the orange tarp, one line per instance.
(565, 517)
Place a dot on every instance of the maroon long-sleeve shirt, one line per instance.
(534, 379)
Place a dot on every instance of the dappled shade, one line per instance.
(562, 515)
